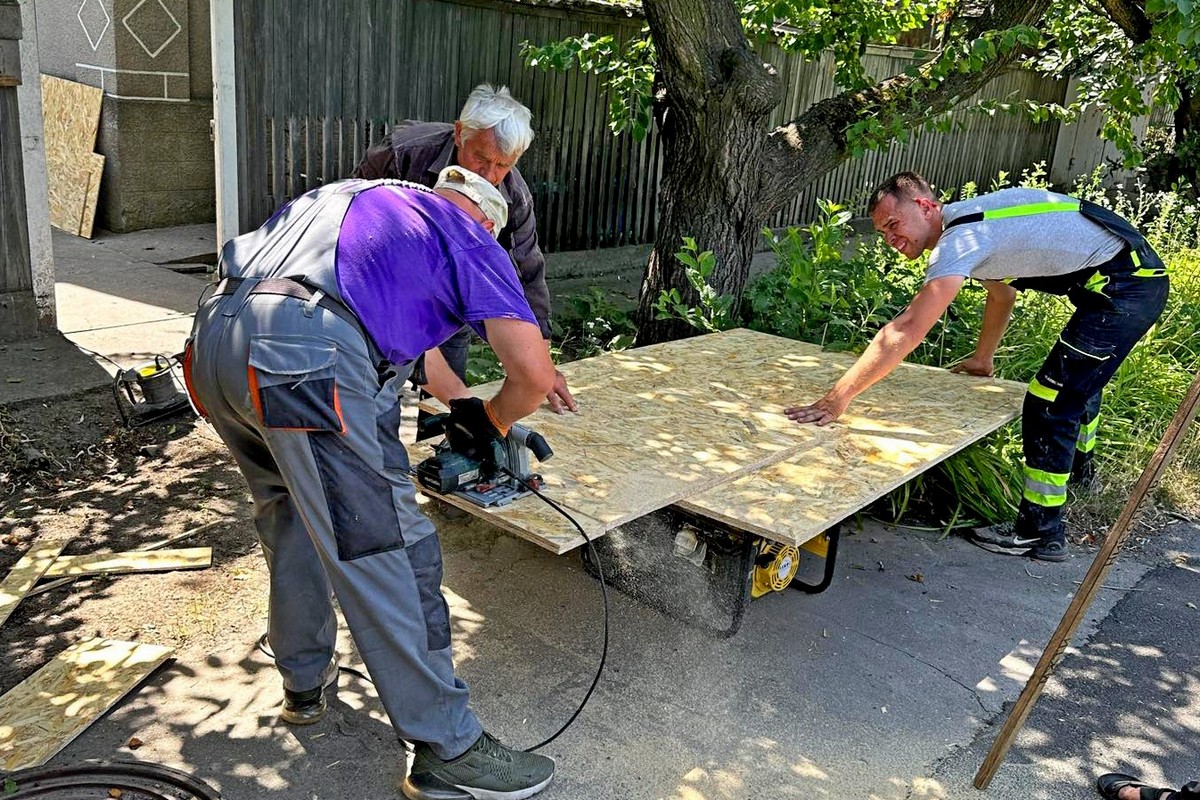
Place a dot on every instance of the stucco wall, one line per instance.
(152, 59)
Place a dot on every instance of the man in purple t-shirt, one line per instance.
(297, 361)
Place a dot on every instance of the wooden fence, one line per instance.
(319, 81)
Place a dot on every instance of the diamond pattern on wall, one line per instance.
(152, 25)
(94, 20)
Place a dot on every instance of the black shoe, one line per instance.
(1003, 538)
(307, 707)
(487, 771)
(1049, 550)
(1110, 784)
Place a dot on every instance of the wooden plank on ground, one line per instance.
(26, 573)
(878, 450)
(135, 561)
(46, 711)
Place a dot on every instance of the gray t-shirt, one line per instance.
(1032, 246)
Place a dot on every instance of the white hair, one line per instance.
(488, 107)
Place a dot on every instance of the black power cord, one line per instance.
(603, 593)
(262, 640)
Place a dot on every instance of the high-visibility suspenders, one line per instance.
(1097, 214)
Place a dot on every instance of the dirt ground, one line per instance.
(67, 467)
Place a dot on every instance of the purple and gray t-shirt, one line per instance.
(413, 267)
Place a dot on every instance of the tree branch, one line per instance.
(1130, 18)
(810, 145)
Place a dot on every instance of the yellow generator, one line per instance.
(700, 572)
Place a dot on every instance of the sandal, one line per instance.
(1110, 783)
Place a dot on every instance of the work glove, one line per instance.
(472, 431)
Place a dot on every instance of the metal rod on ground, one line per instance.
(52, 585)
(1090, 586)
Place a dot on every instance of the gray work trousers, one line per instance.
(312, 422)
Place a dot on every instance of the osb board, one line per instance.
(45, 712)
(91, 197)
(72, 117)
(800, 498)
(68, 184)
(634, 400)
(74, 191)
(662, 423)
(123, 563)
(26, 572)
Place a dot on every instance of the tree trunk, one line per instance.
(725, 172)
(714, 100)
(1184, 166)
(707, 193)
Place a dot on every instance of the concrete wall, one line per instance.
(33, 154)
(152, 59)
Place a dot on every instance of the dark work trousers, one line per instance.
(312, 421)
(1114, 307)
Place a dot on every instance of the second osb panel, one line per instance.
(72, 120)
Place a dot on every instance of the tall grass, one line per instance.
(834, 290)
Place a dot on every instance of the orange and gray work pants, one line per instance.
(311, 416)
(1115, 305)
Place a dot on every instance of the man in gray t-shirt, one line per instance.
(1011, 240)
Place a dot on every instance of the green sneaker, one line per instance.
(487, 771)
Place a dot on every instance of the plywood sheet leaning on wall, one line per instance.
(46, 711)
(72, 116)
(897, 429)
(26, 572)
(91, 197)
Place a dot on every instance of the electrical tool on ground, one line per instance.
(148, 392)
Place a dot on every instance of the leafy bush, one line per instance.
(592, 324)
(712, 312)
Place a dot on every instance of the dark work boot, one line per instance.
(307, 707)
(1004, 539)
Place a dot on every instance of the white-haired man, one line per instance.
(492, 132)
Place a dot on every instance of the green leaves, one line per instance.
(626, 70)
(712, 312)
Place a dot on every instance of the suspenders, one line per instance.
(1139, 248)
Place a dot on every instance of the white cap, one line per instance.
(478, 190)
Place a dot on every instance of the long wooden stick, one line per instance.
(159, 545)
(1090, 586)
